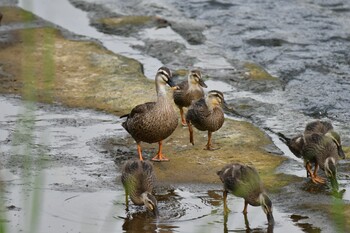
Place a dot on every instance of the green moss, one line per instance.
(181, 72)
(15, 15)
(256, 72)
(346, 150)
(126, 20)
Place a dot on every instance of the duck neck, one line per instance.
(209, 104)
(161, 92)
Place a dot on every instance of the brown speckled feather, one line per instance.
(183, 97)
(318, 148)
(189, 90)
(153, 121)
(204, 119)
(321, 127)
(242, 181)
(137, 177)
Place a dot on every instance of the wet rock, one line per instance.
(128, 25)
(125, 25)
(270, 42)
(168, 52)
(191, 32)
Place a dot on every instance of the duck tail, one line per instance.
(283, 137)
(123, 116)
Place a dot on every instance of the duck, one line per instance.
(243, 181)
(325, 128)
(298, 143)
(321, 150)
(189, 91)
(153, 122)
(138, 179)
(206, 114)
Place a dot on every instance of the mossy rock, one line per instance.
(256, 72)
(13, 14)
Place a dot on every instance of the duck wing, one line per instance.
(141, 109)
(321, 127)
(199, 109)
(179, 94)
(240, 179)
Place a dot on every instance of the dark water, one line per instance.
(303, 43)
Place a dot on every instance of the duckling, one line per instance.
(206, 114)
(297, 143)
(243, 181)
(153, 121)
(189, 91)
(138, 179)
(322, 150)
(325, 128)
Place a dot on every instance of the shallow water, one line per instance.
(79, 186)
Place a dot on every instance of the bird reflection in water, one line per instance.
(145, 222)
(247, 229)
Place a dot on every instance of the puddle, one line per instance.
(180, 211)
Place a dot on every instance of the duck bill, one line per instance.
(171, 83)
(341, 152)
(174, 88)
(334, 183)
(270, 219)
(202, 83)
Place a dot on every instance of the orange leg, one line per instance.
(159, 156)
(226, 209)
(318, 178)
(307, 172)
(183, 120)
(126, 201)
(209, 145)
(312, 176)
(139, 151)
(245, 210)
(190, 129)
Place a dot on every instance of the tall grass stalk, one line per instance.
(37, 69)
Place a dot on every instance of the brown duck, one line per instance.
(138, 179)
(189, 91)
(243, 181)
(323, 151)
(206, 114)
(297, 145)
(153, 121)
